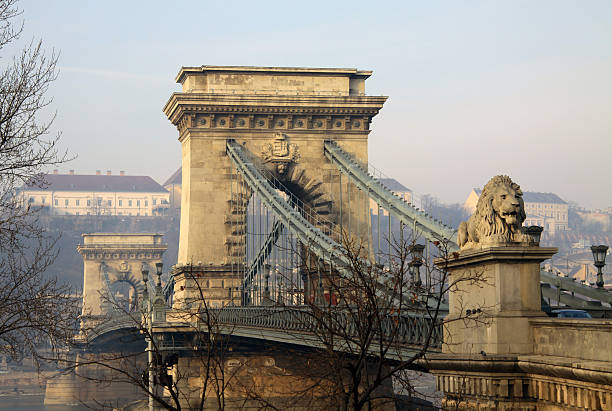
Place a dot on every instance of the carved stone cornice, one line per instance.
(497, 254)
(121, 252)
(180, 104)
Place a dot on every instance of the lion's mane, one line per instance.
(486, 221)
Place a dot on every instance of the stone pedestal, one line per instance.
(494, 293)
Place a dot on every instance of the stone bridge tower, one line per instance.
(283, 116)
(115, 260)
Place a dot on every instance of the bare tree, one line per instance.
(374, 323)
(368, 327)
(34, 308)
(189, 366)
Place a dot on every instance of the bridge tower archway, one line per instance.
(112, 259)
(282, 116)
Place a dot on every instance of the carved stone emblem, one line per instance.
(124, 267)
(280, 153)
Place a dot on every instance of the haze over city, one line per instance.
(475, 88)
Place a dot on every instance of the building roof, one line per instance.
(175, 178)
(534, 197)
(394, 185)
(98, 183)
(353, 72)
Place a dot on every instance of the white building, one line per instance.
(112, 195)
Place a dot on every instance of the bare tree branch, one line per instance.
(35, 309)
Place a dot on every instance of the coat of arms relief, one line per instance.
(280, 153)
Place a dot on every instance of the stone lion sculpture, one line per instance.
(498, 218)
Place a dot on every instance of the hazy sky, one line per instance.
(476, 88)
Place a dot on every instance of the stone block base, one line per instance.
(217, 285)
(265, 381)
(69, 389)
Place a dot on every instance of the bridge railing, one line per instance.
(404, 328)
(399, 330)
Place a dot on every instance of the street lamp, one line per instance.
(416, 251)
(148, 320)
(146, 303)
(266, 293)
(535, 232)
(599, 256)
(159, 266)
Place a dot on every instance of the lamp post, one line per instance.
(266, 293)
(154, 311)
(599, 256)
(148, 320)
(416, 252)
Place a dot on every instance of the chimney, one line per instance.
(55, 171)
(108, 172)
(122, 173)
(98, 172)
(71, 172)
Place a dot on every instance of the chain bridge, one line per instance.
(276, 200)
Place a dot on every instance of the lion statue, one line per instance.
(498, 219)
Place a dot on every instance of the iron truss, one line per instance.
(435, 230)
(320, 244)
(431, 228)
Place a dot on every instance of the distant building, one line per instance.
(600, 218)
(397, 188)
(547, 210)
(174, 185)
(113, 195)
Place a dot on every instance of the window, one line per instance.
(146, 203)
(31, 200)
(120, 203)
(77, 213)
(66, 203)
(130, 203)
(56, 201)
(99, 201)
(154, 201)
(42, 199)
(138, 203)
(88, 203)
(77, 203)
(110, 203)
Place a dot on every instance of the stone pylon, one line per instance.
(118, 258)
(283, 116)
